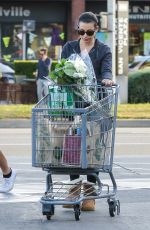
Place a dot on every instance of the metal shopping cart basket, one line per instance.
(73, 132)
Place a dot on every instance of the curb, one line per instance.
(135, 123)
(26, 123)
(15, 123)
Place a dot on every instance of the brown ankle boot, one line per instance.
(74, 193)
(89, 190)
(88, 205)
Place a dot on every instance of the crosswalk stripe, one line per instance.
(31, 188)
(32, 192)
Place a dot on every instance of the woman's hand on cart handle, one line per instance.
(107, 82)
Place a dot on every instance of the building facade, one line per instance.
(49, 19)
(26, 25)
(139, 28)
(48, 23)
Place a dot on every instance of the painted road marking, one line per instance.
(32, 192)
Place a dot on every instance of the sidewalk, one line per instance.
(26, 123)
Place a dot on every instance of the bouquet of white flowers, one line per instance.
(77, 70)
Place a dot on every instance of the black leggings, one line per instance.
(90, 178)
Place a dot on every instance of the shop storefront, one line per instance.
(139, 29)
(48, 28)
(51, 26)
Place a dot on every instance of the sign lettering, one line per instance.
(139, 13)
(14, 11)
(138, 9)
(122, 39)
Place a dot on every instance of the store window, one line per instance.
(11, 43)
(50, 35)
(139, 40)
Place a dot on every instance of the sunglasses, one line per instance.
(88, 32)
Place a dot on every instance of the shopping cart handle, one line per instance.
(103, 85)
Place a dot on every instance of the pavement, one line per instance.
(26, 123)
(21, 208)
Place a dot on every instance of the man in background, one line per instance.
(43, 69)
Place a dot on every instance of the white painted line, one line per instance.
(4, 144)
(131, 163)
(116, 143)
(32, 192)
(131, 143)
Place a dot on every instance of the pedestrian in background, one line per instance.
(43, 69)
(9, 175)
(101, 58)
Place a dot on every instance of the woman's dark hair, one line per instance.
(88, 17)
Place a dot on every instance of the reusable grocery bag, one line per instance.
(71, 150)
(60, 98)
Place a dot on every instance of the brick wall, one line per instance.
(77, 7)
(18, 94)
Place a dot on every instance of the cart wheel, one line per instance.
(48, 211)
(48, 217)
(113, 207)
(77, 212)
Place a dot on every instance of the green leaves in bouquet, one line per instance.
(63, 72)
(69, 69)
(58, 72)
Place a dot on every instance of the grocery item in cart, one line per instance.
(60, 98)
(72, 147)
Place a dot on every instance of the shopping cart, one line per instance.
(73, 132)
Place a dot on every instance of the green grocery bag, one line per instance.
(61, 97)
(69, 102)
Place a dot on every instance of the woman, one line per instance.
(9, 175)
(101, 58)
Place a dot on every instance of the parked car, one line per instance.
(7, 74)
(140, 62)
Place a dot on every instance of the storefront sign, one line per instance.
(139, 12)
(122, 38)
(53, 12)
(139, 9)
(14, 11)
